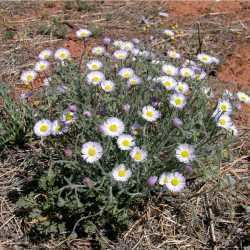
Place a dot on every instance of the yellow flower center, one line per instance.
(126, 74)
(186, 73)
(69, 116)
(175, 181)
(167, 84)
(95, 66)
(46, 55)
(29, 78)
(120, 56)
(205, 58)
(173, 54)
(150, 114)
(122, 172)
(180, 88)
(63, 55)
(138, 156)
(108, 87)
(185, 153)
(222, 122)
(96, 79)
(91, 151)
(178, 101)
(84, 34)
(133, 82)
(113, 127)
(44, 128)
(223, 107)
(42, 66)
(169, 71)
(243, 98)
(126, 143)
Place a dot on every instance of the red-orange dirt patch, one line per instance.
(237, 67)
(198, 8)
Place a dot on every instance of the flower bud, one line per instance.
(126, 108)
(88, 182)
(152, 180)
(73, 108)
(106, 40)
(177, 122)
(68, 152)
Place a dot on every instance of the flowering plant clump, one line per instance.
(119, 126)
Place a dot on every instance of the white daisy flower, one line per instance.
(112, 127)
(134, 80)
(224, 106)
(91, 151)
(95, 77)
(176, 182)
(121, 173)
(182, 88)
(127, 46)
(187, 72)
(168, 33)
(107, 86)
(168, 82)
(163, 179)
(62, 54)
(173, 54)
(125, 142)
(170, 70)
(28, 76)
(185, 153)
(57, 128)
(68, 117)
(94, 65)
(126, 73)
(138, 155)
(42, 128)
(120, 54)
(45, 54)
(178, 100)
(205, 58)
(41, 66)
(83, 33)
(224, 121)
(118, 43)
(243, 97)
(150, 114)
(98, 51)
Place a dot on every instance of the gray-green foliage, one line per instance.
(16, 119)
(69, 195)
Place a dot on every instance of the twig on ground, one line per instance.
(211, 222)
